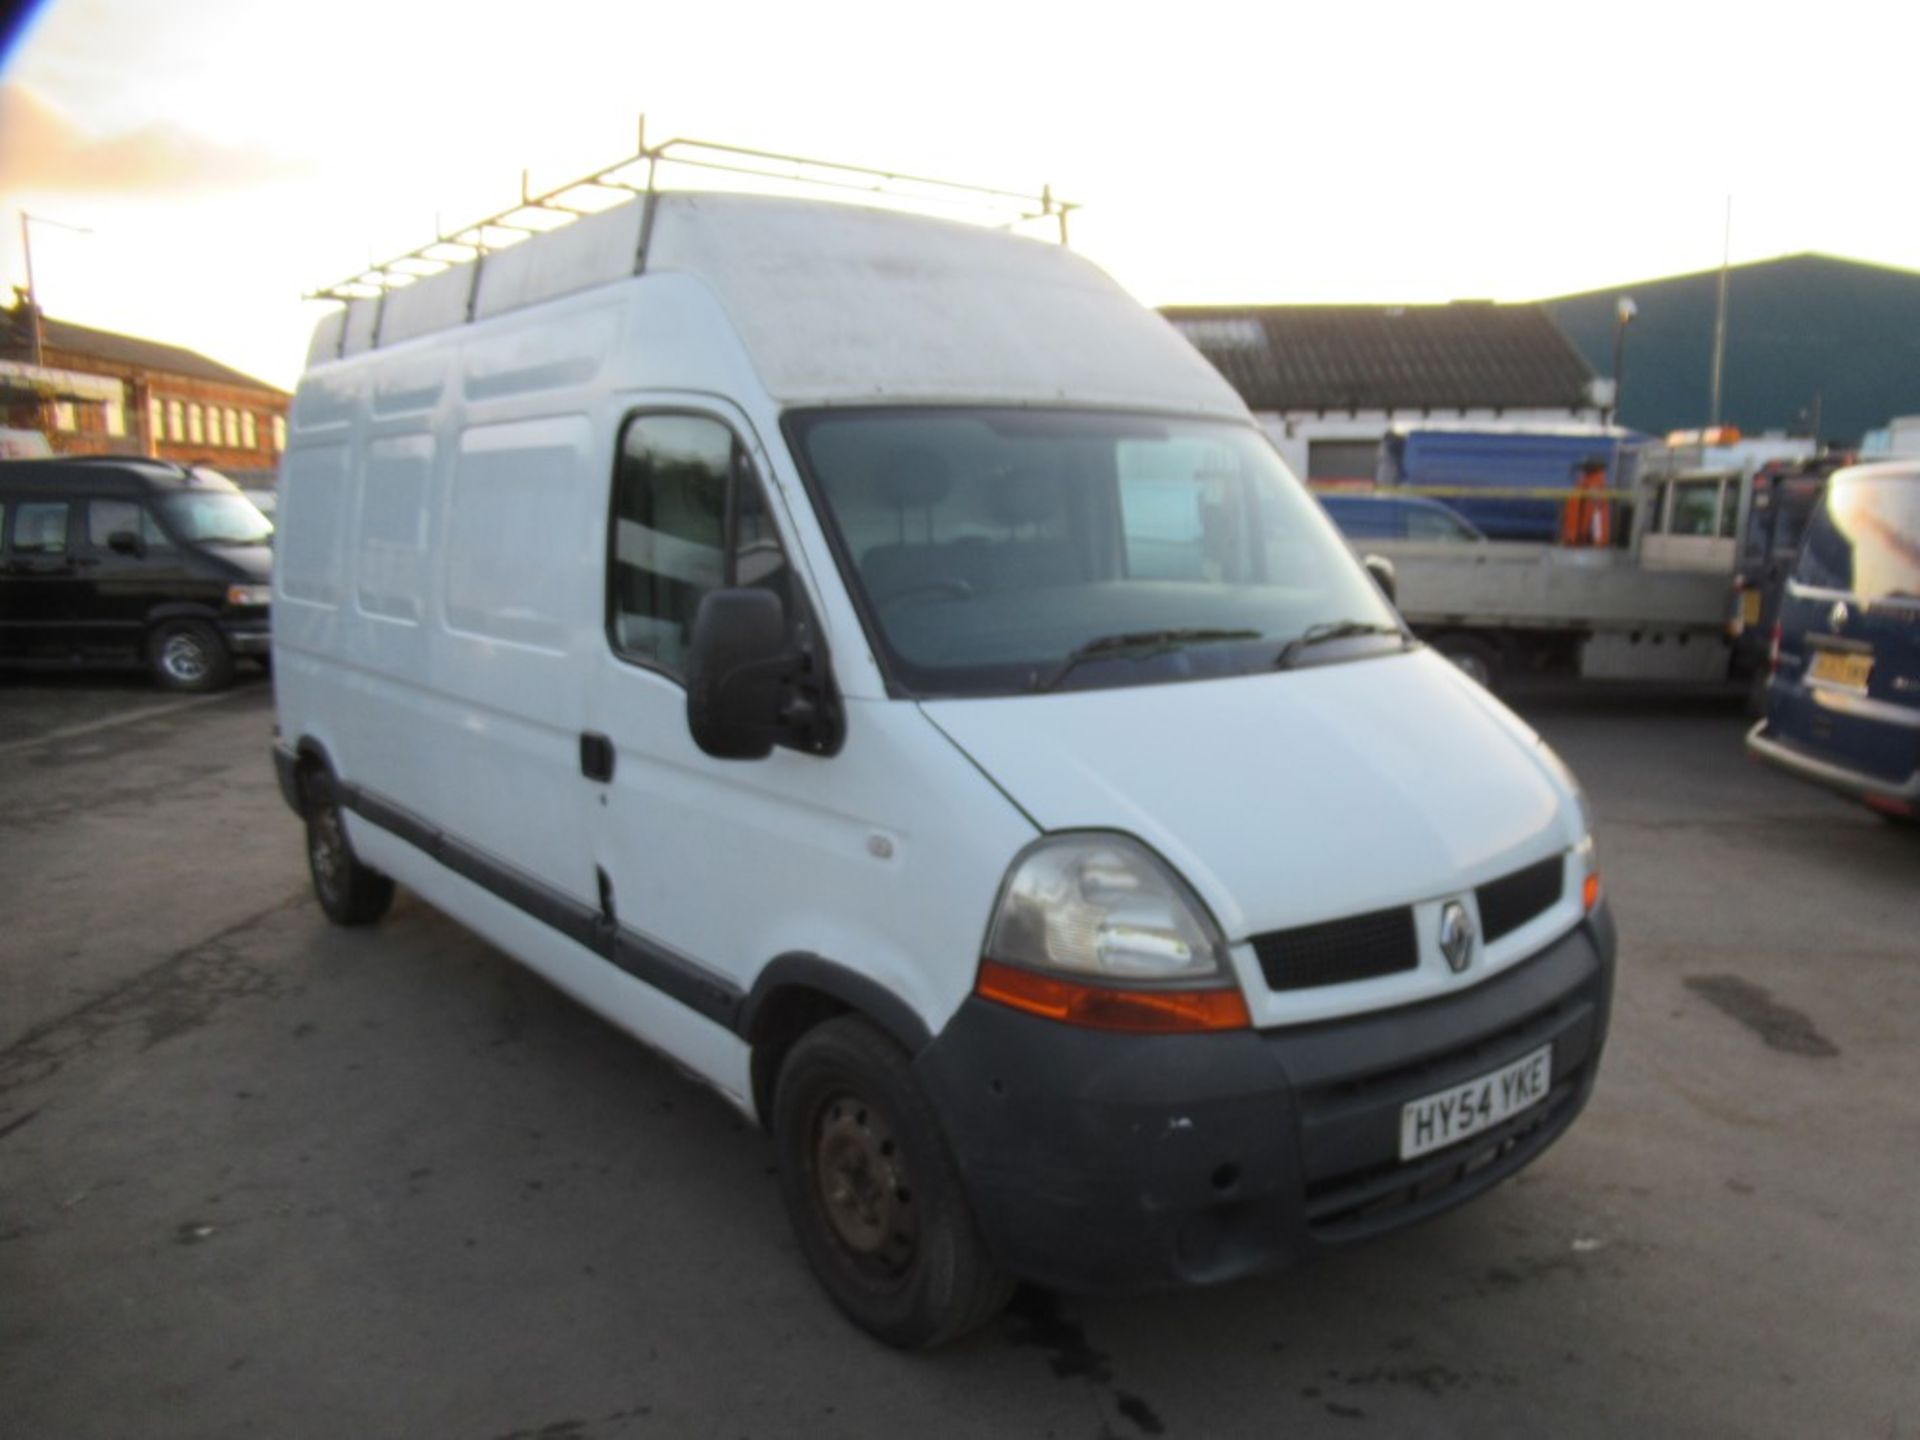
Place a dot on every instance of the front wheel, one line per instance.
(349, 892)
(874, 1197)
(1473, 657)
(189, 655)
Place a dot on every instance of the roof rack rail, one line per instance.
(621, 182)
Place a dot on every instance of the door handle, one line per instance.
(596, 757)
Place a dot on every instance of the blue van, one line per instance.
(1367, 516)
(1843, 703)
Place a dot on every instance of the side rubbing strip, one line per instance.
(648, 961)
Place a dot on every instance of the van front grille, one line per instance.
(1511, 901)
(1360, 947)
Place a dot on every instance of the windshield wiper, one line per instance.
(1329, 630)
(1136, 644)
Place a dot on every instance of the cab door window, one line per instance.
(689, 517)
(106, 518)
(1696, 508)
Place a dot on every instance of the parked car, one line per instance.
(1843, 703)
(1397, 517)
(936, 719)
(118, 560)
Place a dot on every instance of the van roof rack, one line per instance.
(624, 181)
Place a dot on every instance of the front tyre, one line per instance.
(189, 655)
(1473, 657)
(349, 892)
(872, 1193)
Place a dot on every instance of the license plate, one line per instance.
(1842, 667)
(1435, 1121)
(1750, 608)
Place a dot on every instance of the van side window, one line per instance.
(40, 528)
(681, 483)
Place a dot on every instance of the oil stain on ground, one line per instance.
(1780, 1026)
(1034, 1320)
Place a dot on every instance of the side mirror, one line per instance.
(1384, 575)
(126, 542)
(748, 689)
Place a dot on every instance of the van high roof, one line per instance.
(832, 303)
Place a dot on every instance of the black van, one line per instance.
(120, 559)
(1843, 705)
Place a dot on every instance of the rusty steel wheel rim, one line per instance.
(862, 1186)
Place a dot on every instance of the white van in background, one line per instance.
(880, 665)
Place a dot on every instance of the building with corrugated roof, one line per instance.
(97, 392)
(1815, 346)
(1328, 381)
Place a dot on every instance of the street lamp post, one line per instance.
(1623, 312)
(33, 300)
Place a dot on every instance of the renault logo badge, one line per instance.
(1456, 936)
(1837, 617)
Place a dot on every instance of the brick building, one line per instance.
(94, 392)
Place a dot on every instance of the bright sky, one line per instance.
(228, 155)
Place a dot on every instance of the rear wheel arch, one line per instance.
(349, 892)
(313, 772)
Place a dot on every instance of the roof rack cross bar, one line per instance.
(377, 279)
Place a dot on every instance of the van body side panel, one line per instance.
(507, 697)
(710, 1050)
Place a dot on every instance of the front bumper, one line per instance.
(1899, 795)
(248, 636)
(1099, 1162)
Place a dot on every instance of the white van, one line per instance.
(880, 665)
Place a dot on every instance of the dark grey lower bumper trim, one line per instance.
(1824, 772)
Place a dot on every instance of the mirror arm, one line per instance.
(802, 713)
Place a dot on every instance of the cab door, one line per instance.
(684, 841)
(119, 588)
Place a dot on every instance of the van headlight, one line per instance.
(1096, 930)
(1586, 864)
(243, 595)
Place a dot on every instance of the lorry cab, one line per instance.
(1843, 702)
(879, 664)
(119, 560)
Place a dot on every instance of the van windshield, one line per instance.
(1866, 539)
(998, 551)
(215, 517)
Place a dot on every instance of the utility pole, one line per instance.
(1720, 317)
(1623, 312)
